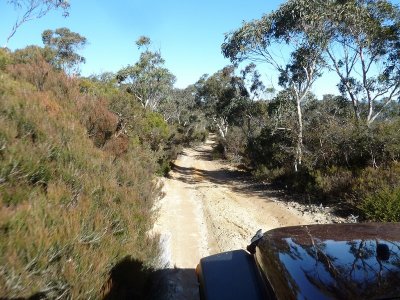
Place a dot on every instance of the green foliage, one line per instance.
(220, 94)
(32, 64)
(32, 55)
(369, 33)
(344, 162)
(149, 129)
(103, 85)
(262, 173)
(155, 130)
(147, 80)
(272, 148)
(143, 41)
(338, 141)
(382, 206)
(4, 58)
(71, 193)
(227, 103)
(64, 43)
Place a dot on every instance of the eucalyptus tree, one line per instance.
(363, 49)
(65, 44)
(147, 80)
(295, 28)
(34, 9)
(179, 105)
(220, 95)
(253, 107)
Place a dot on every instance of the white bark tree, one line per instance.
(292, 28)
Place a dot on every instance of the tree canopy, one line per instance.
(148, 80)
(65, 44)
(357, 39)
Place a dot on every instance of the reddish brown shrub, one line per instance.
(117, 145)
(101, 124)
(35, 73)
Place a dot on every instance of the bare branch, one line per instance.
(35, 9)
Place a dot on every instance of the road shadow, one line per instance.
(204, 155)
(242, 182)
(239, 181)
(174, 284)
(130, 279)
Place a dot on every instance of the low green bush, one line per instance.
(375, 192)
(382, 205)
(332, 183)
(4, 58)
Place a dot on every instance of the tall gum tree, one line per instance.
(363, 50)
(65, 43)
(147, 80)
(293, 26)
(219, 96)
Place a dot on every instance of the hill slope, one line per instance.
(70, 211)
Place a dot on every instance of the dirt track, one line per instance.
(210, 207)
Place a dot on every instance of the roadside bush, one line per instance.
(375, 193)
(148, 129)
(4, 58)
(273, 149)
(101, 124)
(155, 130)
(69, 211)
(218, 152)
(186, 135)
(343, 162)
(382, 205)
(235, 145)
(333, 183)
(265, 174)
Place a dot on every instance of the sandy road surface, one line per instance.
(208, 208)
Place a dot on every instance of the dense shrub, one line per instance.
(374, 192)
(333, 183)
(382, 206)
(272, 149)
(71, 207)
(344, 162)
(99, 121)
(235, 144)
(189, 134)
(147, 130)
(4, 58)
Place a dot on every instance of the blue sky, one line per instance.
(189, 33)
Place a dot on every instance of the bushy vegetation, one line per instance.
(78, 160)
(79, 156)
(76, 184)
(339, 156)
(341, 150)
(345, 163)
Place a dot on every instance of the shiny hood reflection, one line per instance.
(332, 261)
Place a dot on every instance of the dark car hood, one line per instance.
(341, 261)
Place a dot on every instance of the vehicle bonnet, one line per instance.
(338, 261)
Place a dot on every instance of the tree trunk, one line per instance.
(299, 146)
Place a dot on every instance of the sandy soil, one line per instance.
(211, 207)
